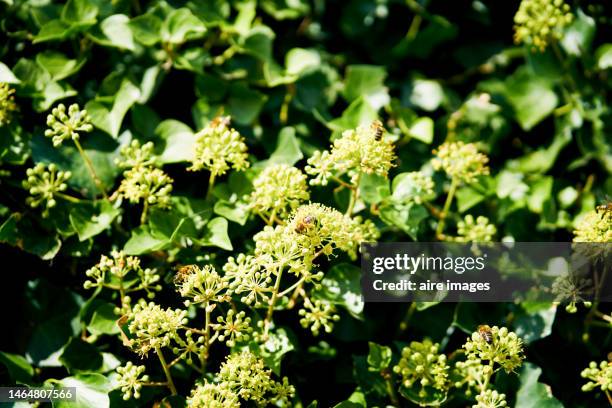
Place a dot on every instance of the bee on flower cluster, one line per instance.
(485, 333)
(305, 224)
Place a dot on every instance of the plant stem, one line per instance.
(211, 184)
(90, 168)
(68, 197)
(354, 195)
(391, 391)
(406, 320)
(273, 298)
(145, 209)
(447, 204)
(609, 397)
(166, 369)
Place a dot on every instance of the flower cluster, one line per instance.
(598, 376)
(130, 379)
(219, 147)
(7, 103)
(210, 395)
(572, 289)
(143, 181)
(202, 285)
(134, 155)
(475, 230)
(422, 366)
(247, 376)
(537, 23)
(594, 227)
(278, 190)
(318, 314)
(461, 161)
(357, 151)
(248, 279)
(154, 327)
(325, 229)
(64, 125)
(503, 347)
(490, 399)
(233, 328)
(45, 183)
(125, 274)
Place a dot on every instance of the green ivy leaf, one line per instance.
(373, 188)
(532, 98)
(535, 321)
(274, 348)
(342, 286)
(406, 217)
(7, 76)
(215, 234)
(367, 82)
(58, 65)
(103, 320)
(79, 355)
(80, 11)
(18, 367)
(287, 150)
(90, 219)
(578, 37)
(92, 391)
(114, 31)
(146, 29)
(534, 394)
(180, 26)
(177, 139)
(379, 357)
(110, 120)
(603, 56)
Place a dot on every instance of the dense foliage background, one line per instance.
(293, 75)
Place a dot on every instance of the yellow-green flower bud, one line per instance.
(490, 399)
(461, 160)
(537, 23)
(599, 375)
(202, 285)
(44, 183)
(219, 147)
(422, 365)
(278, 190)
(130, 380)
(500, 346)
(64, 125)
(356, 151)
(475, 230)
(318, 314)
(7, 103)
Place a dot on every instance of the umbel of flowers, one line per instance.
(7, 103)
(538, 23)
(142, 179)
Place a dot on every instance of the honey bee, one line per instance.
(220, 121)
(378, 129)
(605, 208)
(304, 224)
(182, 273)
(485, 333)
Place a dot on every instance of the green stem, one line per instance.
(406, 320)
(447, 204)
(68, 197)
(211, 184)
(354, 195)
(90, 168)
(145, 210)
(166, 369)
(391, 391)
(273, 298)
